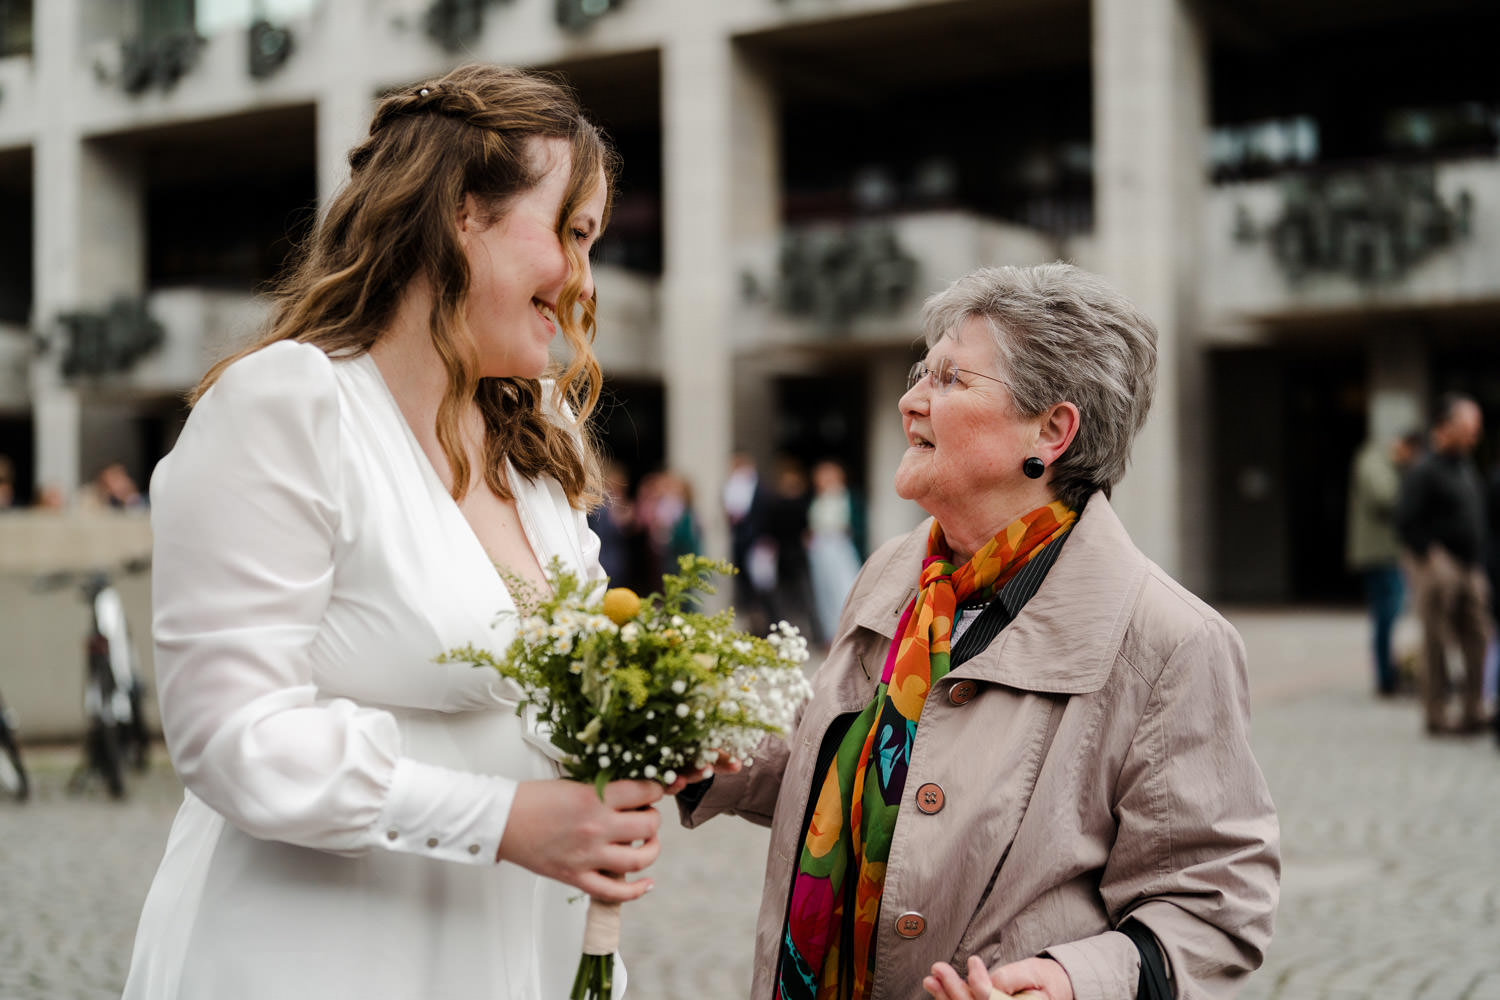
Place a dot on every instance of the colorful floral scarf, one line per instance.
(828, 952)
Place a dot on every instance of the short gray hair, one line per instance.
(1063, 335)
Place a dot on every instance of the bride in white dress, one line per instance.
(361, 821)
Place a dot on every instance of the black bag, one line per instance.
(1153, 984)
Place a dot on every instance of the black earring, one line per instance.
(1033, 467)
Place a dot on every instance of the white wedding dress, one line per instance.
(345, 794)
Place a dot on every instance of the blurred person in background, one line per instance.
(50, 496)
(790, 597)
(1441, 520)
(1372, 549)
(361, 821)
(745, 507)
(7, 483)
(835, 522)
(664, 506)
(681, 536)
(1492, 571)
(650, 498)
(1040, 763)
(114, 488)
(614, 522)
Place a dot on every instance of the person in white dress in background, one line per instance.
(833, 557)
(360, 820)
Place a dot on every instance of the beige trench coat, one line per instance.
(1092, 763)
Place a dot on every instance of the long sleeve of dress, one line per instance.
(245, 513)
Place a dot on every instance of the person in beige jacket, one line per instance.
(1027, 754)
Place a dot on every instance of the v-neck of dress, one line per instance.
(450, 506)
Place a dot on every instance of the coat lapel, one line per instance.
(1049, 648)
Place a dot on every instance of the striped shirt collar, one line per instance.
(1008, 603)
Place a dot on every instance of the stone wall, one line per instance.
(42, 632)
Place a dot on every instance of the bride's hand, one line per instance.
(724, 765)
(561, 830)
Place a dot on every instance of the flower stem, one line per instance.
(594, 979)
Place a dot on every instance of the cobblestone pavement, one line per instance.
(73, 873)
(1391, 888)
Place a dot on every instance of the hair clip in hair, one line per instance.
(423, 92)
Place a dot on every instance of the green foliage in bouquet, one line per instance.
(632, 688)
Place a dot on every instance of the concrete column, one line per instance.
(889, 515)
(1150, 126)
(109, 192)
(754, 414)
(56, 410)
(90, 242)
(720, 187)
(1398, 385)
(57, 416)
(91, 248)
(55, 164)
(346, 97)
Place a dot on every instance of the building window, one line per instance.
(15, 27)
(213, 16)
(165, 18)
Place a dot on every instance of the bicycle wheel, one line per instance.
(104, 757)
(13, 779)
(137, 740)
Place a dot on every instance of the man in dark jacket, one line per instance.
(1441, 521)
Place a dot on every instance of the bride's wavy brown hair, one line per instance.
(471, 132)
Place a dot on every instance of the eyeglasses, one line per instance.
(944, 376)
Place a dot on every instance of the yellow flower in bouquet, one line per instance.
(621, 604)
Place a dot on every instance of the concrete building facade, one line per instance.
(1304, 194)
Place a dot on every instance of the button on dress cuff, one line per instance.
(441, 813)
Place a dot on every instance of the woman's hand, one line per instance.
(724, 765)
(1032, 979)
(561, 830)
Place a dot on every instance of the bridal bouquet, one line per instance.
(650, 689)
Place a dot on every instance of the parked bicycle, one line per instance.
(113, 689)
(14, 782)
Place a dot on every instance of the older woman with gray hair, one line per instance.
(1027, 753)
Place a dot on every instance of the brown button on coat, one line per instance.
(1102, 769)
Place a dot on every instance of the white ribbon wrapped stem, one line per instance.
(601, 930)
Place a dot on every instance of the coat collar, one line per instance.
(1067, 637)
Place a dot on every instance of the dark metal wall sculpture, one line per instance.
(836, 276)
(108, 342)
(270, 46)
(1373, 224)
(157, 62)
(575, 15)
(454, 24)
(165, 50)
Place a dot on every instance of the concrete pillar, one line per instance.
(720, 180)
(889, 515)
(55, 407)
(1398, 385)
(346, 97)
(90, 242)
(1150, 127)
(754, 414)
(109, 192)
(55, 410)
(91, 248)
